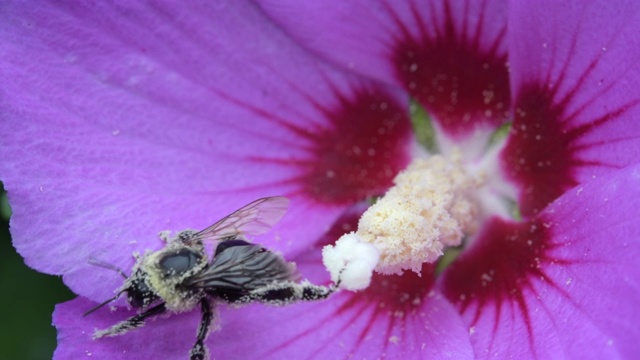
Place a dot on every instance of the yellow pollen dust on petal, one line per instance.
(428, 209)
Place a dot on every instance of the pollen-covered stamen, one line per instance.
(429, 208)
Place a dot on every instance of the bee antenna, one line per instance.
(102, 264)
(102, 304)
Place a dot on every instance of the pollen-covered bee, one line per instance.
(181, 276)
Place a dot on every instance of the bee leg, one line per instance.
(131, 323)
(312, 292)
(288, 292)
(199, 350)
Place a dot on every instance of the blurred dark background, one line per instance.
(26, 301)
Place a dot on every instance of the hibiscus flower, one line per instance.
(121, 120)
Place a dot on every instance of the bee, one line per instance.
(181, 277)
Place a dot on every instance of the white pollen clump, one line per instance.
(428, 209)
(350, 262)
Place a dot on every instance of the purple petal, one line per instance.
(450, 55)
(122, 120)
(330, 329)
(397, 317)
(562, 284)
(345, 327)
(574, 74)
(172, 337)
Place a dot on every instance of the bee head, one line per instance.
(139, 294)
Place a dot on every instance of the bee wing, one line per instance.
(254, 218)
(242, 268)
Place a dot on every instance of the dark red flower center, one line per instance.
(361, 150)
(460, 83)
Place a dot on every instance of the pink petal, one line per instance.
(450, 55)
(122, 120)
(563, 285)
(574, 74)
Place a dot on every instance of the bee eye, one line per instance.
(179, 262)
